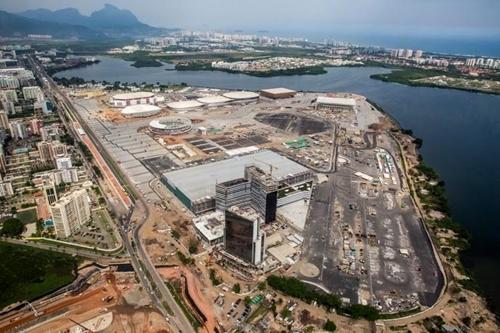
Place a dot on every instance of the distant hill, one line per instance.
(12, 25)
(66, 16)
(110, 20)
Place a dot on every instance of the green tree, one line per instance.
(176, 234)
(193, 245)
(330, 326)
(237, 288)
(12, 227)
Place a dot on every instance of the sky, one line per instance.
(416, 17)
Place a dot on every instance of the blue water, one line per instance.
(479, 43)
(460, 130)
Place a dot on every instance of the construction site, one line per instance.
(101, 299)
(344, 219)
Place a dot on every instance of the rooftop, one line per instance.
(279, 91)
(169, 122)
(241, 95)
(140, 108)
(134, 95)
(190, 104)
(214, 100)
(336, 101)
(210, 225)
(199, 182)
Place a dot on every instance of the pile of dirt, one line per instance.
(293, 123)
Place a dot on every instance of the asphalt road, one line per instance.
(137, 253)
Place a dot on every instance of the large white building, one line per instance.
(140, 110)
(7, 81)
(132, 98)
(170, 125)
(70, 212)
(33, 92)
(184, 105)
(56, 177)
(242, 96)
(335, 103)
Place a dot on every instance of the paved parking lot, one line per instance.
(369, 246)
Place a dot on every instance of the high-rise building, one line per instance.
(36, 125)
(32, 92)
(3, 162)
(9, 107)
(51, 150)
(10, 95)
(4, 120)
(257, 189)
(408, 53)
(264, 192)
(18, 129)
(242, 235)
(471, 62)
(7, 81)
(232, 193)
(70, 212)
(51, 132)
(418, 54)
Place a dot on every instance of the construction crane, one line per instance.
(271, 167)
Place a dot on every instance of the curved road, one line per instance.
(139, 258)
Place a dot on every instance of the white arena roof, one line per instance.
(241, 95)
(199, 182)
(133, 95)
(140, 109)
(183, 105)
(278, 91)
(169, 123)
(213, 100)
(336, 101)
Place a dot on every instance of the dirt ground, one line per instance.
(109, 305)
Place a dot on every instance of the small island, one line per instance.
(417, 77)
(146, 62)
(203, 66)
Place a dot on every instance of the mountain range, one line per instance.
(109, 21)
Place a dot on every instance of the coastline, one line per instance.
(406, 79)
(450, 262)
(314, 70)
(411, 83)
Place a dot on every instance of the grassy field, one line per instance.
(27, 273)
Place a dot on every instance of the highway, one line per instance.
(141, 262)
